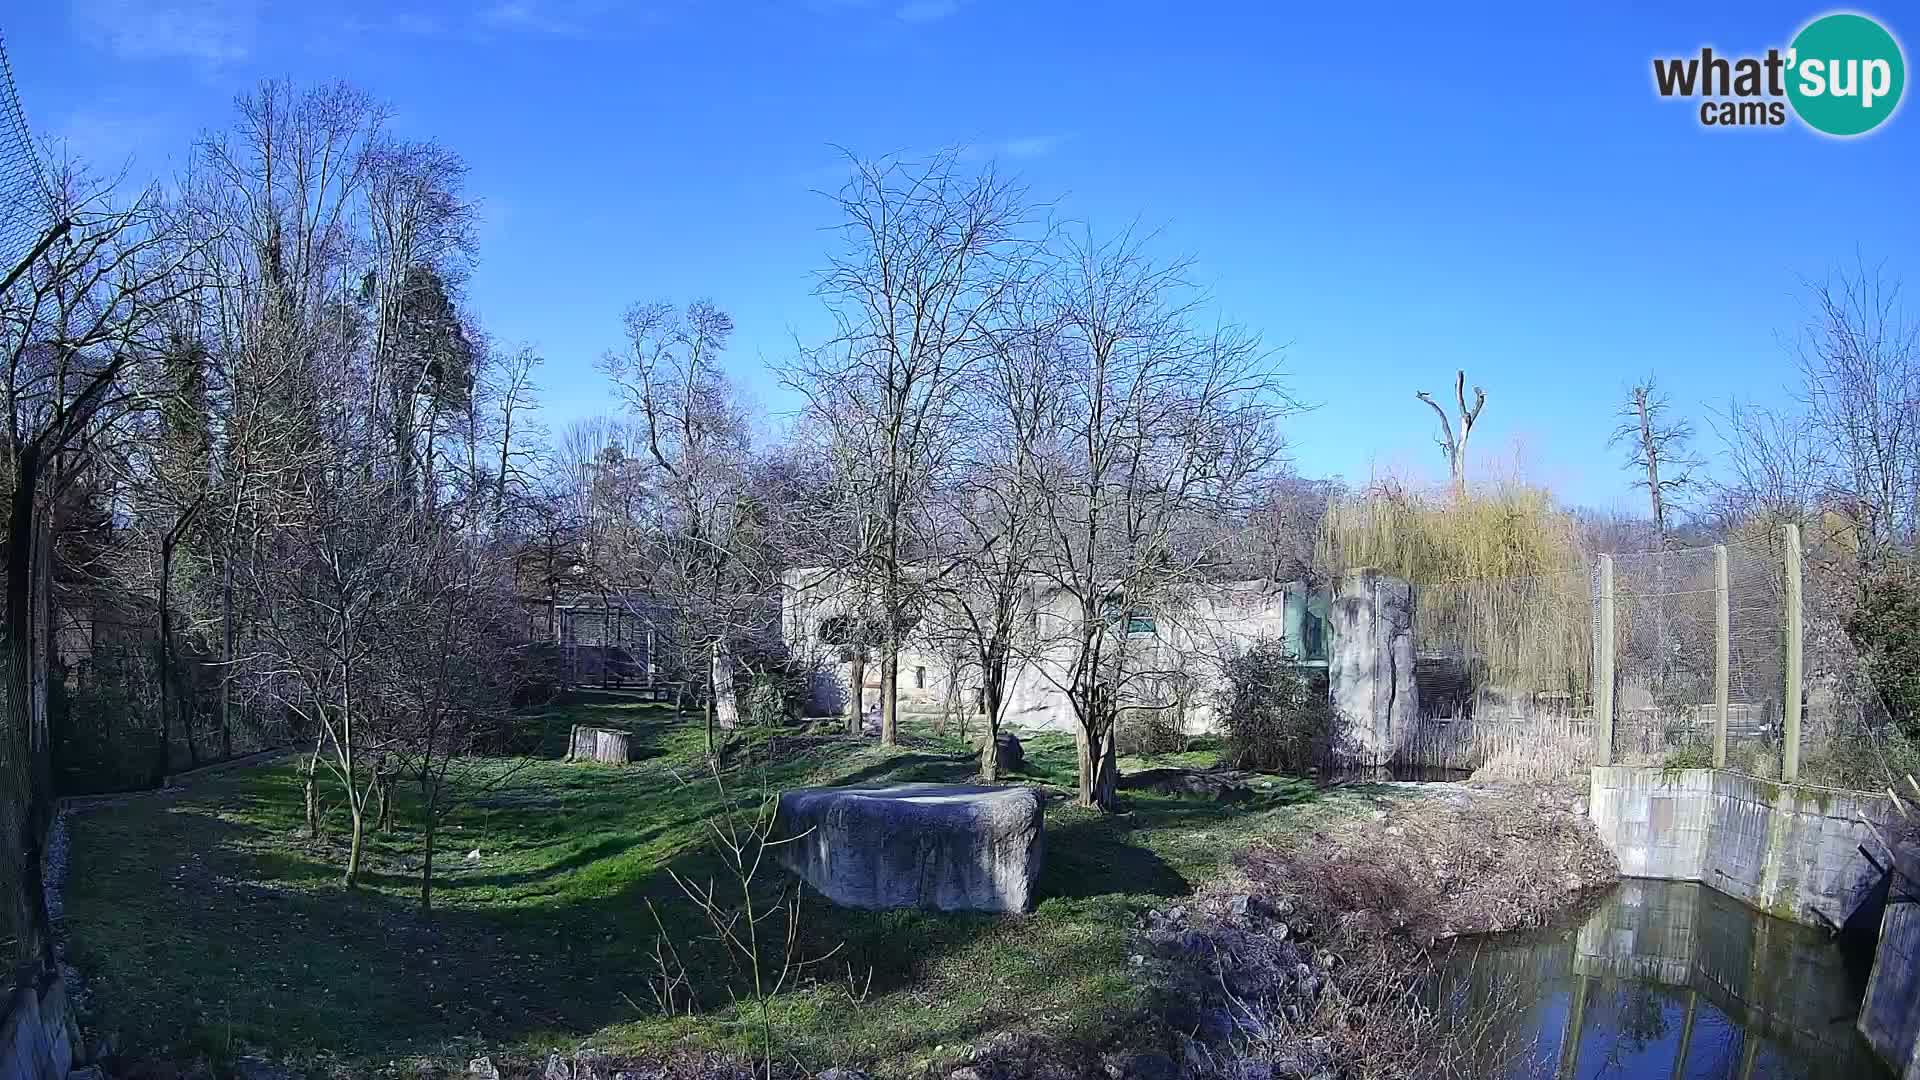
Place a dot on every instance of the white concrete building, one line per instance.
(1175, 651)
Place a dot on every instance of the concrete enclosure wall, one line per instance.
(1789, 851)
(1175, 649)
(1890, 1015)
(36, 1039)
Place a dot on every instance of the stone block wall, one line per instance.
(1788, 850)
(1890, 1015)
(36, 1040)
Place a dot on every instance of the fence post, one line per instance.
(1603, 666)
(1722, 652)
(1790, 753)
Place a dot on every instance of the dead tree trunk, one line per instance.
(1454, 447)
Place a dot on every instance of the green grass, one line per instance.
(209, 926)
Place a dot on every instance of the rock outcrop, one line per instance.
(945, 847)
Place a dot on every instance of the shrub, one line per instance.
(1275, 713)
(1865, 760)
(1150, 730)
(766, 702)
(1691, 756)
(1885, 628)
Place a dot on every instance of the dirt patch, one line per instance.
(1308, 960)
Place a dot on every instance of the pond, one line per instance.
(1663, 979)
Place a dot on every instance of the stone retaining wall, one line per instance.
(1788, 850)
(1890, 1015)
(36, 1035)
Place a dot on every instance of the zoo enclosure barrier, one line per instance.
(1703, 650)
(1683, 654)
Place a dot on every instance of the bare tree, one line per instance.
(923, 267)
(1282, 531)
(277, 198)
(1453, 445)
(983, 591)
(1161, 433)
(1659, 450)
(1845, 463)
(701, 556)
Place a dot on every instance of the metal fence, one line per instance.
(1635, 659)
(25, 219)
(1697, 634)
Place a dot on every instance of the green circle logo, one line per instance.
(1845, 74)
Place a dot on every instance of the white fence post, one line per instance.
(1794, 689)
(1603, 666)
(1722, 653)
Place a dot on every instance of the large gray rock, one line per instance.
(1370, 669)
(948, 847)
(1218, 786)
(1009, 755)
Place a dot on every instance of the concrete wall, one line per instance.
(1184, 643)
(1786, 850)
(1890, 1015)
(36, 1039)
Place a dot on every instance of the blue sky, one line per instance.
(1391, 192)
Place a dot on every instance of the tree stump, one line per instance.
(597, 744)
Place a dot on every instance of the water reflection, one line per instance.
(1664, 979)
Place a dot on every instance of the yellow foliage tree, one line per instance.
(1501, 579)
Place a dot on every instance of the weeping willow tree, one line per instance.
(1501, 581)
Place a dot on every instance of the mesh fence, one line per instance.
(1664, 652)
(1666, 655)
(1846, 725)
(24, 198)
(1757, 655)
(24, 755)
(1507, 667)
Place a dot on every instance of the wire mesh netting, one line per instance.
(24, 219)
(1507, 667)
(24, 199)
(1757, 655)
(1666, 655)
(1846, 722)
(1664, 619)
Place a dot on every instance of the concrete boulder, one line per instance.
(1218, 786)
(945, 847)
(1008, 753)
(1371, 666)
